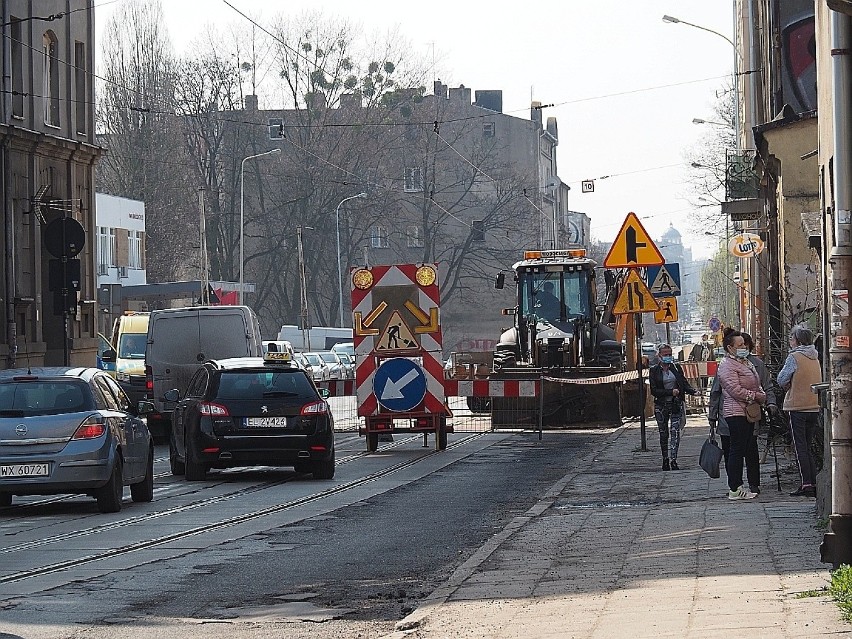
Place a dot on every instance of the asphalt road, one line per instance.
(346, 558)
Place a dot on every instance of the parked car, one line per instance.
(320, 371)
(345, 347)
(336, 368)
(72, 430)
(348, 365)
(180, 339)
(247, 411)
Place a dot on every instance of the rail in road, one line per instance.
(208, 504)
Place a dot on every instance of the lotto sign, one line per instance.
(397, 333)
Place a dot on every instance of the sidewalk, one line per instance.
(623, 549)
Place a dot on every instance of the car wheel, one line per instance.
(372, 442)
(5, 500)
(144, 490)
(176, 465)
(442, 438)
(195, 470)
(109, 495)
(324, 469)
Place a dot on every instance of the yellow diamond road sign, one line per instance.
(633, 247)
(635, 296)
(668, 310)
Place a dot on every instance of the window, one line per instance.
(50, 79)
(80, 85)
(134, 249)
(415, 237)
(413, 179)
(488, 129)
(17, 69)
(379, 237)
(106, 249)
(477, 231)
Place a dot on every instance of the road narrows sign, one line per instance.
(635, 296)
(633, 247)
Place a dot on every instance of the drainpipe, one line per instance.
(8, 212)
(836, 547)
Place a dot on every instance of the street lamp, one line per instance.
(702, 121)
(242, 210)
(339, 267)
(735, 78)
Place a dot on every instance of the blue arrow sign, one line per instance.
(399, 384)
(664, 280)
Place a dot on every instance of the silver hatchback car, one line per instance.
(72, 430)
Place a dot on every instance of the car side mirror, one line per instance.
(172, 395)
(324, 393)
(144, 407)
(500, 281)
(108, 356)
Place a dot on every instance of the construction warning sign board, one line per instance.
(635, 296)
(668, 310)
(633, 247)
(396, 326)
(665, 280)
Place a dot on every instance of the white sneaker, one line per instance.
(740, 493)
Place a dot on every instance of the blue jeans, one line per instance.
(743, 451)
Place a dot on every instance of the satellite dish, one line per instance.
(64, 237)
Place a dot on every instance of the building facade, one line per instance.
(48, 154)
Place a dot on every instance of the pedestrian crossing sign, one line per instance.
(397, 336)
(665, 280)
(635, 296)
(668, 310)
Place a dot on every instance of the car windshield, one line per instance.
(345, 358)
(314, 360)
(329, 358)
(132, 345)
(257, 384)
(348, 349)
(25, 398)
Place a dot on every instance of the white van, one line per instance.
(181, 339)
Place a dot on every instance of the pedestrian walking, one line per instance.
(801, 369)
(740, 387)
(669, 386)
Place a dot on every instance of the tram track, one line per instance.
(197, 530)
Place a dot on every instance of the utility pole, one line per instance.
(202, 246)
(306, 329)
(836, 547)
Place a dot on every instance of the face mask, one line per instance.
(666, 359)
(742, 353)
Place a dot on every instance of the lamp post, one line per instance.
(735, 77)
(242, 211)
(339, 266)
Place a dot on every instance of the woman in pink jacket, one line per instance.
(740, 386)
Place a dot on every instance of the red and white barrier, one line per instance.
(338, 387)
(491, 388)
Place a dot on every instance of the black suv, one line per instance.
(249, 411)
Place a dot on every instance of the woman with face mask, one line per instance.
(668, 386)
(801, 369)
(740, 386)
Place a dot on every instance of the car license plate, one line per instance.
(266, 422)
(25, 470)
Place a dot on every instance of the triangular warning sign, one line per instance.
(635, 296)
(633, 247)
(397, 336)
(664, 283)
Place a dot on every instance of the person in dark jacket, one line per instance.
(669, 386)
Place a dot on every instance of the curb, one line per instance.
(442, 593)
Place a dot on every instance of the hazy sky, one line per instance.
(625, 84)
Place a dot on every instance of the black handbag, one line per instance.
(711, 455)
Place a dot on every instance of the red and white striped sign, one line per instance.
(338, 387)
(491, 388)
(396, 313)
